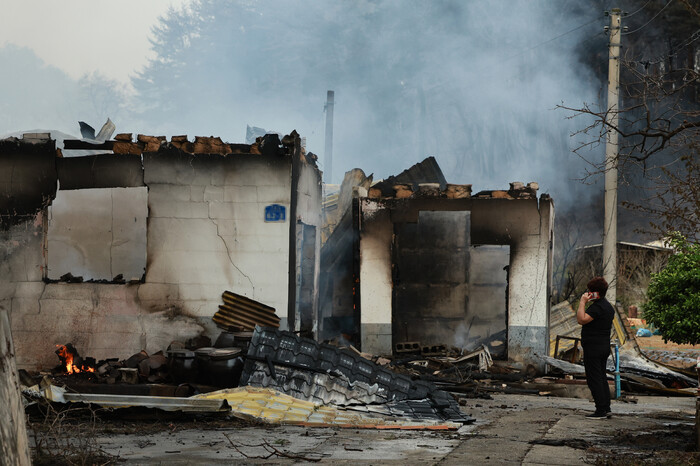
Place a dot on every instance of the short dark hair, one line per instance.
(598, 284)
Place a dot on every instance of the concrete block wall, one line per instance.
(206, 233)
(211, 235)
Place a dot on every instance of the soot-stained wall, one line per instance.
(430, 277)
(206, 232)
(522, 224)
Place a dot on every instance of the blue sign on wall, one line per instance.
(275, 213)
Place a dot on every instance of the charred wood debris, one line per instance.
(249, 366)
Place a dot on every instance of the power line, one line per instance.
(643, 6)
(647, 23)
(553, 38)
(561, 35)
(662, 57)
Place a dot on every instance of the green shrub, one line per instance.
(673, 304)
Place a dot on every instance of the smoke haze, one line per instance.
(472, 83)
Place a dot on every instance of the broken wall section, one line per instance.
(512, 218)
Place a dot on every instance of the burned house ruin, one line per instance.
(430, 264)
(131, 248)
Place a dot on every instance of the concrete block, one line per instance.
(115, 344)
(213, 193)
(7, 289)
(279, 194)
(239, 194)
(25, 307)
(221, 210)
(29, 289)
(218, 178)
(201, 292)
(249, 211)
(179, 209)
(185, 267)
(259, 170)
(67, 308)
(158, 291)
(174, 234)
(77, 291)
(197, 193)
(201, 308)
(158, 193)
(226, 227)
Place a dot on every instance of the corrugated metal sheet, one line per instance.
(273, 407)
(59, 394)
(245, 313)
(562, 321)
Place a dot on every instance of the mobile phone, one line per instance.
(594, 295)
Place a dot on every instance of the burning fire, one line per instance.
(67, 356)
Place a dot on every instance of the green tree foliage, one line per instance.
(673, 304)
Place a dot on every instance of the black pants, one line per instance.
(595, 356)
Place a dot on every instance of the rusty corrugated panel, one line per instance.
(562, 321)
(245, 313)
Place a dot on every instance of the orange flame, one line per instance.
(67, 356)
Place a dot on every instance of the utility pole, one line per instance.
(328, 155)
(611, 153)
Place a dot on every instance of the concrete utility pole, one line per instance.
(328, 155)
(611, 152)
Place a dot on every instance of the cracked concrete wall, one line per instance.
(206, 233)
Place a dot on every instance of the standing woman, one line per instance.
(596, 324)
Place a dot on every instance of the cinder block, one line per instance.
(249, 211)
(7, 289)
(29, 289)
(77, 291)
(221, 210)
(176, 209)
(201, 292)
(158, 291)
(24, 307)
(239, 194)
(173, 234)
(197, 193)
(226, 227)
(214, 193)
(168, 192)
(279, 194)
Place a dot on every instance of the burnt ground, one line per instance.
(510, 429)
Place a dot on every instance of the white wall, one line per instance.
(375, 279)
(98, 233)
(205, 233)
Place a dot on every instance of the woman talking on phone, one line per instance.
(596, 323)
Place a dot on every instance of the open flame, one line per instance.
(68, 356)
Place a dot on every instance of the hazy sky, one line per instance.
(82, 36)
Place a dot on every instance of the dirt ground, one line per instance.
(510, 429)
